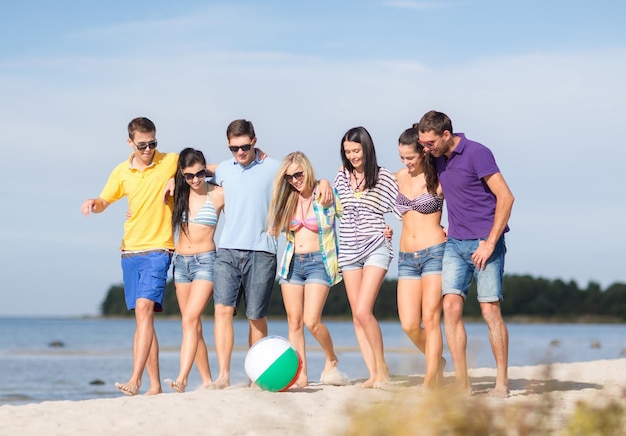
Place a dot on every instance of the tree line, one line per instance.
(524, 297)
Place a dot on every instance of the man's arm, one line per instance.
(504, 205)
(94, 205)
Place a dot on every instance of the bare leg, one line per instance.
(224, 341)
(352, 280)
(363, 312)
(258, 330)
(499, 340)
(202, 359)
(410, 311)
(456, 338)
(145, 351)
(314, 299)
(431, 308)
(192, 299)
(293, 299)
(152, 366)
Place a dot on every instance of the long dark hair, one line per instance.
(370, 164)
(186, 158)
(410, 137)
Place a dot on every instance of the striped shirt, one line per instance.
(362, 223)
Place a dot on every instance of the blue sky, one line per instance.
(539, 82)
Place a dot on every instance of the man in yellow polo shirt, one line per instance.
(147, 244)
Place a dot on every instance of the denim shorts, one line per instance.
(246, 273)
(145, 276)
(458, 270)
(305, 269)
(414, 266)
(190, 267)
(381, 258)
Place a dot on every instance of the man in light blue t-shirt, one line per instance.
(245, 265)
(246, 257)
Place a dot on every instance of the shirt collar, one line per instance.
(256, 161)
(156, 158)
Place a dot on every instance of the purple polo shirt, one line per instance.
(471, 204)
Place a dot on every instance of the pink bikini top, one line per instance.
(309, 223)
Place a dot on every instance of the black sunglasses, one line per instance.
(235, 148)
(190, 176)
(141, 146)
(298, 176)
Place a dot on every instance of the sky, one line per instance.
(541, 83)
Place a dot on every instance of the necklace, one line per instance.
(357, 188)
(304, 214)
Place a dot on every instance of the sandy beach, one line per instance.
(318, 409)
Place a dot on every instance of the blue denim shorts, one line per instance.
(190, 267)
(414, 266)
(305, 269)
(458, 270)
(381, 258)
(145, 276)
(246, 273)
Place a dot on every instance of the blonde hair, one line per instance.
(284, 195)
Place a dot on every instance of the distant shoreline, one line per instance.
(516, 319)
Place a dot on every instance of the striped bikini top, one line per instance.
(425, 203)
(206, 216)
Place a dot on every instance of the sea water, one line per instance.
(44, 359)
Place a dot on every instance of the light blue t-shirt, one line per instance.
(247, 195)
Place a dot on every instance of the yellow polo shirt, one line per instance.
(150, 224)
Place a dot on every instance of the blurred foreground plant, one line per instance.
(444, 412)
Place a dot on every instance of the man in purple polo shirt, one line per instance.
(479, 204)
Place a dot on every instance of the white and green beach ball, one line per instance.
(273, 364)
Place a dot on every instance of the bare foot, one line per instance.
(221, 383)
(127, 389)
(499, 392)
(209, 385)
(334, 377)
(462, 387)
(302, 382)
(154, 391)
(175, 385)
(382, 376)
(367, 384)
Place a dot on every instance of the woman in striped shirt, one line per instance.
(367, 192)
(309, 264)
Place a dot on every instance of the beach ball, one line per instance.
(273, 364)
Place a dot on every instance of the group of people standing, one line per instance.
(262, 197)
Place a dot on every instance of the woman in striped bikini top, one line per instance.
(426, 203)
(420, 201)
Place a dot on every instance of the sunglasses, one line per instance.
(429, 144)
(141, 146)
(298, 176)
(190, 176)
(236, 148)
